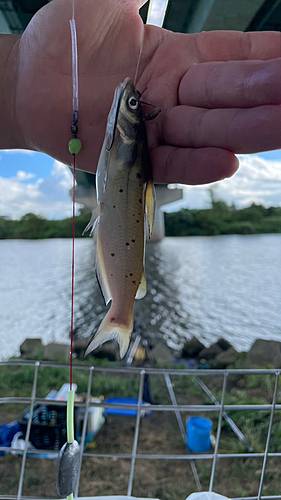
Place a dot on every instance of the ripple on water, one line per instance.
(210, 287)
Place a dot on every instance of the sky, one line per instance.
(258, 180)
(34, 182)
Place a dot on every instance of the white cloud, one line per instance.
(19, 151)
(23, 176)
(257, 181)
(48, 197)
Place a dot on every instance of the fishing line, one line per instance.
(139, 58)
(72, 271)
(75, 99)
(156, 110)
(74, 147)
(69, 455)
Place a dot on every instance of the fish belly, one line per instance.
(121, 241)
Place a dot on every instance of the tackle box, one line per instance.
(48, 428)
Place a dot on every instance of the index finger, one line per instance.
(237, 45)
(232, 84)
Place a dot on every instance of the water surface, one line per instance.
(211, 287)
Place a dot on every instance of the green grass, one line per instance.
(18, 380)
(240, 476)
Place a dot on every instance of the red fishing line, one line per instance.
(72, 271)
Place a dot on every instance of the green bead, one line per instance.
(74, 146)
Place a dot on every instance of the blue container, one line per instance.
(198, 434)
(127, 412)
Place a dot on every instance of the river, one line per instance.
(210, 287)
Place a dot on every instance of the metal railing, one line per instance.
(218, 407)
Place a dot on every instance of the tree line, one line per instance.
(223, 219)
(32, 226)
(219, 219)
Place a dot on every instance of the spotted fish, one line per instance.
(125, 211)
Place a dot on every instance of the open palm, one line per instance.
(218, 92)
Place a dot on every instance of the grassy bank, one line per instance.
(159, 433)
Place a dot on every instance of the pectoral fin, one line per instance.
(142, 289)
(95, 215)
(150, 199)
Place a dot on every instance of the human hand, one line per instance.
(218, 92)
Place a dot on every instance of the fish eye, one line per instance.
(133, 103)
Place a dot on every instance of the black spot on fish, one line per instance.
(112, 319)
(126, 276)
(113, 206)
(127, 244)
(119, 225)
(112, 255)
(120, 190)
(137, 220)
(138, 176)
(133, 241)
(133, 215)
(131, 274)
(134, 282)
(111, 275)
(140, 200)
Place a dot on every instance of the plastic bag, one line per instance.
(7, 432)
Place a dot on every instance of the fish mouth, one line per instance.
(114, 111)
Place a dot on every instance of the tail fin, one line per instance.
(111, 331)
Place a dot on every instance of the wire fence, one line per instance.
(218, 408)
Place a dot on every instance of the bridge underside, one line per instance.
(186, 16)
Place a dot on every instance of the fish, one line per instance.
(124, 215)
